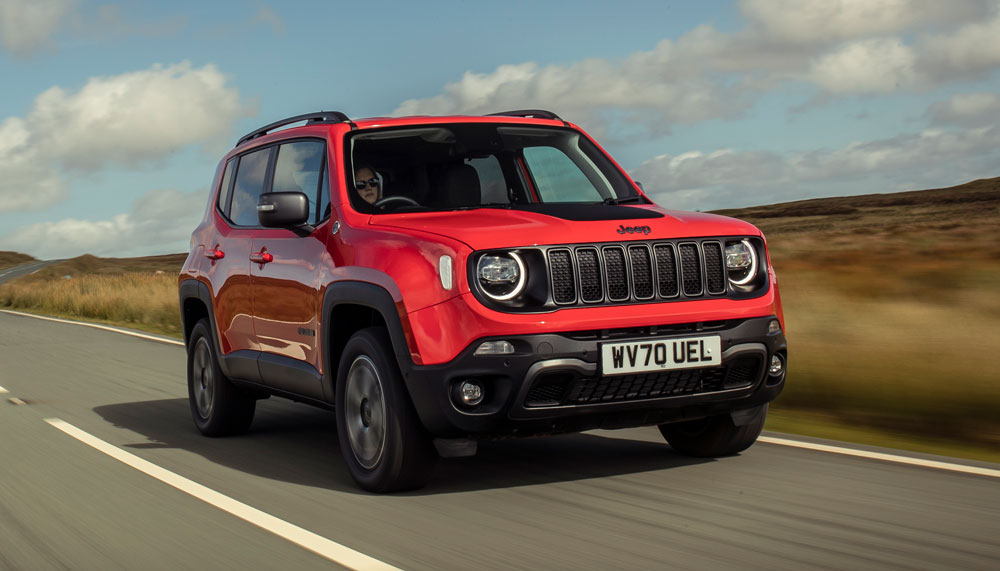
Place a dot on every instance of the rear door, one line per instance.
(229, 254)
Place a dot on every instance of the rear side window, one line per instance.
(298, 169)
(249, 185)
(227, 179)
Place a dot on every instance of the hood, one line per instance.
(487, 228)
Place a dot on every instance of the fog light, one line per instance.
(776, 366)
(470, 393)
(494, 348)
(774, 326)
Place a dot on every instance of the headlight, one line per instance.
(501, 276)
(741, 262)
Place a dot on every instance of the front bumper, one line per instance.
(552, 382)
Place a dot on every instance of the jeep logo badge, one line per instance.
(623, 229)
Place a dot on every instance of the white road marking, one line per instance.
(96, 326)
(882, 456)
(2, 390)
(15, 400)
(318, 544)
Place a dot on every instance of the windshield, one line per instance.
(451, 167)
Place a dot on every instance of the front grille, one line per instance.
(568, 389)
(561, 268)
(633, 272)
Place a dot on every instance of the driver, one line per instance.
(368, 185)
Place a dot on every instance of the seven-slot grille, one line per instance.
(636, 271)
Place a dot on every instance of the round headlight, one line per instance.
(741, 262)
(501, 276)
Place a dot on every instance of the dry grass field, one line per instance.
(134, 292)
(891, 309)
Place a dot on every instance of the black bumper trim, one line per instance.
(508, 378)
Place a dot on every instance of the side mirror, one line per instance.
(639, 184)
(283, 210)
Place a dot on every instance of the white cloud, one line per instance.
(841, 47)
(661, 86)
(865, 66)
(973, 49)
(125, 120)
(27, 25)
(797, 22)
(25, 183)
(727, 178)
(967, 110)
(268, 17)
(135, 117)
(159, 222)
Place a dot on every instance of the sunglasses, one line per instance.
(361, 184)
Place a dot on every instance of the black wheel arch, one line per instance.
(370, 305)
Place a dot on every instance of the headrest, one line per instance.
(461, 186)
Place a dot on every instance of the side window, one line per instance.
(490, 179)
(557, 177)
(249, 185)
(298, 169)
(225, 187)
(324, 195)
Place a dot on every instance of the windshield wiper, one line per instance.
(612, 200)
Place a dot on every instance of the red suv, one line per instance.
(439, 280)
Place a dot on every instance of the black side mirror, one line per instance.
(284, 210)
(639, 184)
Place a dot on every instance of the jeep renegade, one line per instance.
(507, 278)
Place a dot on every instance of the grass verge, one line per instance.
(139, 300)
(824, 425)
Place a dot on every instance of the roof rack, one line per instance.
(537, 113)
(318, 117)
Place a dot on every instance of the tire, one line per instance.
(219, 407)
(385, 446)
(713, 436)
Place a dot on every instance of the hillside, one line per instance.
(92, 265)
(11, 259)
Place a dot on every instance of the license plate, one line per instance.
(660, 355)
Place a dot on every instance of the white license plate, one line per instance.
(660, 355)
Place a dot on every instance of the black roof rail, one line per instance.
(538, 113)
(318, 117)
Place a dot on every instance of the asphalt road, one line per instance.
(24, 269)
(602, 500)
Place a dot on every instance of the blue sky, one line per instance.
(113, 116)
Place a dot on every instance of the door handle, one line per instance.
(215, 254)
(262, 257)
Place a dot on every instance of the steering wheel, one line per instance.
(381, 203)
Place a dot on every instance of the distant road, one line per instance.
(600, 500)
(23, 269)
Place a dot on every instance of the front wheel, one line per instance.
(713, 436)
(383, 443)
(218, 406)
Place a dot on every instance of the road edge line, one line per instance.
(882, 456)
(326, 548)
(96, 326)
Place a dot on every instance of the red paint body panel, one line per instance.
(442, 331)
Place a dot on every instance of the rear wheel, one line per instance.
(385, 446)
(713, 436)
(218, 406)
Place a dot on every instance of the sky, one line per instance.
(113, 116)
